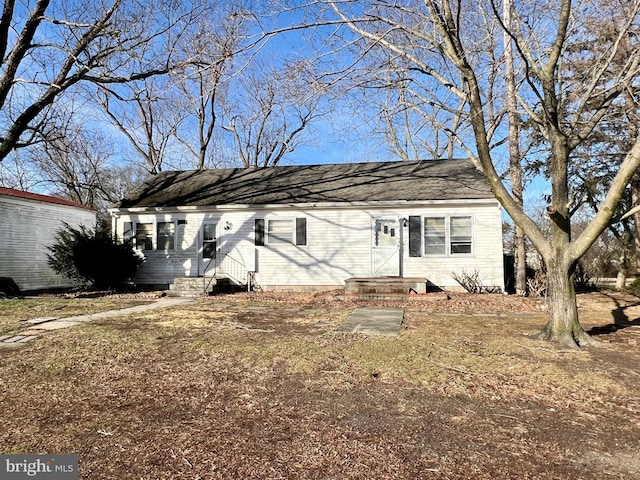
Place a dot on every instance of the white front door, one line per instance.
(208, 248)
(386, 247)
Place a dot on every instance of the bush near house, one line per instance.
(92, 257)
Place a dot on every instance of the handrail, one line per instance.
(205, 284)
(234, 269)
(229, 266)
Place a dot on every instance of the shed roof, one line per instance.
(452, 179)
(12, 192)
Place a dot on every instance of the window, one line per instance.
(127, 232)
(144, 236)
(166, 232)
(460, 236)
(385, 233)
(281, 231)
(441, 235)
(435, 236)
(209, 240)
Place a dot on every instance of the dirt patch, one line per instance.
(262, 386)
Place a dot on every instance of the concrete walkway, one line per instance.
(374, 321)
(39, 326)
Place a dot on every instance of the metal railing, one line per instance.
(225, 264)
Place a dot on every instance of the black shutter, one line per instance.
(415, 236)
(259, 231)
(301, 231)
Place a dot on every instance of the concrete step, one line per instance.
(386, 285)
(195, 286)
(191, 286)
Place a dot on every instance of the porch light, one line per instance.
(228, 225)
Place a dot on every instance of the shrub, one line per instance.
(472, 283)
(8, 288)
(537, 283)
(92, 257)
(634, 287)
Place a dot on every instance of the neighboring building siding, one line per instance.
(28, 227)
(339, 245)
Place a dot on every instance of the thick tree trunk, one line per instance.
(563, 325)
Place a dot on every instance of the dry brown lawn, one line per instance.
(263, 387)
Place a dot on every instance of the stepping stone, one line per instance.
(4, 337)
(32, 332)
(14, 339)
(26, 339)
(374, 321)
(37, 321)
(57, 324)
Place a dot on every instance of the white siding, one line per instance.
(339, 243)
(28, 227)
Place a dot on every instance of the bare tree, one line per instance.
(440, 39)
(16, 173)
(271, 110)
(515, 159)
(408, 133)
(215, 52)
(46, 50)
(146, 114)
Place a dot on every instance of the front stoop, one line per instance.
(386, 285)
(191, 287)
(195, 286)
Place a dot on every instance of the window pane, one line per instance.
(434, 236)
(127, 233)
(209, 249)
(209, 240)
(280, 231)
(166, 235)
(460, 235)
(385, 233)
(144, 236)
(209, 232)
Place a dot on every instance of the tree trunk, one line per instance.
(621, 279)
(515, 166)
(521, 262)
(623, 266)
(635, 201)
(563, 325)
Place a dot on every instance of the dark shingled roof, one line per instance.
(345, 182)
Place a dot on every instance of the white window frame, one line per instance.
(292, 226)
(298, 238)
(132, 234)
(447, 238)
(156, 232)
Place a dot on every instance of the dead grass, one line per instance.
(266, 388)
(13, 311)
